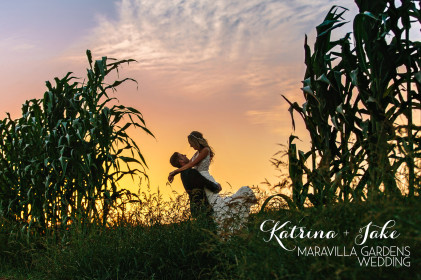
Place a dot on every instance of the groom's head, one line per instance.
(178, 160)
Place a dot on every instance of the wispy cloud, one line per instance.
(15, 44)
(207, 48)
(161, 32)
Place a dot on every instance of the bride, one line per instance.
(229, 212)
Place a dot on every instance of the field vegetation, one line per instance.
(64, 215)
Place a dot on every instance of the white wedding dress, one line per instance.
(229, 212)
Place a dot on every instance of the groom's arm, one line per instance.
(201, 181)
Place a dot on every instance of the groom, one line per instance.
(194, 184)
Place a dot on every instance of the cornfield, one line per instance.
(61, 162)
(361, 94)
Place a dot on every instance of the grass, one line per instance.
(190, 250)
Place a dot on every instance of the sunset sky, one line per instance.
(218, 67)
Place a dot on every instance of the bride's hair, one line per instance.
(197, 137)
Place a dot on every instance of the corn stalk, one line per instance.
(353, 99)
(61, 162)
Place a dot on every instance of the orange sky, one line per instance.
(218, 67)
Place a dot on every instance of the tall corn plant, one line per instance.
(62, 161)
(355, 93)
(389, 64)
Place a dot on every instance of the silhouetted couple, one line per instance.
(229, 212)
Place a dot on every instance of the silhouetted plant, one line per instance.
(355, 94)
(62, 161)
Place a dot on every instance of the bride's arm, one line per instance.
(202, 154)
